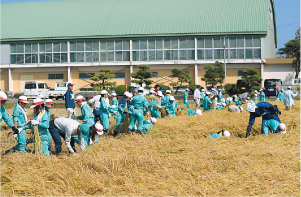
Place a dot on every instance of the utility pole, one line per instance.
(225, 61)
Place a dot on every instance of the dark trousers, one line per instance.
(56, 136)
(96, 114)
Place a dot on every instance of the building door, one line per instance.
(23, 79)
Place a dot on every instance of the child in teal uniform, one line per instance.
(262, 95)
(256, 96)
(220, 134)
(280, 95)
(185, 102)
(274, 126)
(4, 115)
(191, 112)
(166, 98)
(171, 107)
(206, 102)
(114, 99)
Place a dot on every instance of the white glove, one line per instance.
(113, 106)
(15, 135)
(116, 112)
(20, 130)
(35, 122)
(147, 113)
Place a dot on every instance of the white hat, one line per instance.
(255, 91)
(198, 112)
(114, 94)
(103, 92)
(187, 89)
(224, 104)
(172, 98)
(41, 96)
(168, 91)
(226, 133)
(113, 106)
(203, 90)
(151, 91)
(153, 120)
(235, 95)
(261, 90)
(130, 95)
(241, 108)
(3, 96)
(36, 102)
(282, 90)
(248, 98)
(289, 87)
(49, 101)
(208, 93)
(159, 93)
(125, 93)
(79, 98)
(99, 128)
(140, 89)
(282, 128)
(218, 103)
(251, 106)
(23, 99)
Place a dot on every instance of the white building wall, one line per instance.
(284, 72)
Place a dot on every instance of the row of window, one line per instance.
(142, 50)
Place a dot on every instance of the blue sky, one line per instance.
(287, 18)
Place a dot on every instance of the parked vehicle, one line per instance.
(296, 81)
(59, 90)
(33, 89)
(272, 87)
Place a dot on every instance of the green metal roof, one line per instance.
(117, 18)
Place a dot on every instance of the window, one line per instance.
(86, 75)
(61, 85)
(30, 86)
(120, 75)
(154, 74)
(271, 15)
(41, 85)
(240, 73)
(56, 76)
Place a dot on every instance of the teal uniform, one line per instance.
(271, 125)
(171, 108)
(43, 126)
(104, 114)
(165, 99)
(185, 102)
(139, 103)
(239, 103)
(88, 120)
(19, 116)
(220, 95)
(115, 101)
(49, 135)
(281, 96)
(147, 125)
(154, 111)
(215, 135)
(218, 107)
(262, 96)
(190, 112)
(202, 95)
(205, 104)
(120, 109)
(256, 97)
(5, 116)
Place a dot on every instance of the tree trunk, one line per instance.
(297, 68)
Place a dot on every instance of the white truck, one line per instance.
(59, 90)
(33, 89)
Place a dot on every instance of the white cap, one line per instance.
(187, 89)
(171, 98)
(261, 90)
(79, 98)
(23, 99)
(103, 92)
(203, 90)
(49, 101)
(113, 106)
(282, 90)
(99, 128)
(168, 91)
(208, 93)
(235, 95)
(255, 91)
(224, 104)
(282, 128)
(140, 89)
(248, 98)
(125, 93)
(251, 106)
(41, 96)
(153, 120)
(159, 93)
(3, 96)
(114, 94)
(289, 87)
(226, 133)
(241, 109)
(130, 95)
(198, 112)
(151, 91)
(36, 102)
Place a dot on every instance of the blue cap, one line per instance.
(136, 90)
(70, 84)
(199, 86)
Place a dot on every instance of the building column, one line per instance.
(69, 75)
(262, 73)
(10, 80)
(196, 74)
(68, 53)
(131, 63)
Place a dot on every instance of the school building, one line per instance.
(70, 41)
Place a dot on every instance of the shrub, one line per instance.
(164, 87)
(192, 87)
(228, 86)
(120, 89)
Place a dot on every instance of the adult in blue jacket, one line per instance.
(69, 102)
(263, 109)
(87, 117)
(139, 103)
(20, 119)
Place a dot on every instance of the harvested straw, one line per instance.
(148, 98)
(37, 141)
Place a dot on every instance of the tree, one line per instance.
(102, 79)
(292, 49)
(142, 75)
(215, 74)
(182, 76)
(251, 78)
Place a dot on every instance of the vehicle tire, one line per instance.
(57, 98)
(50, 97)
